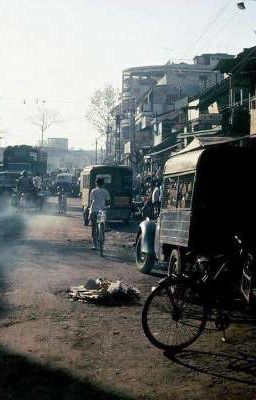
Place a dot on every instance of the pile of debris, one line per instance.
(102, 291)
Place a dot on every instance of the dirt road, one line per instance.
(52, 348)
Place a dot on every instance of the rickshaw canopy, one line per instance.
(187, 159)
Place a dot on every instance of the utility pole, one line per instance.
(42, 129)
(107, 142)
(133, 135)
(117, 141)
(42, 137)
(230, 100)
(96, 151)
(110, 142)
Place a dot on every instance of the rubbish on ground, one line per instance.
(102, 291)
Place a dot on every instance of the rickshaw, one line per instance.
(206, 233)
(69, 182)
(207, 197)
(8, 181)
(117, 180)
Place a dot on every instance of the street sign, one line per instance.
(214, 118)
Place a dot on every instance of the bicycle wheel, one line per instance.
(173, 319)
(101, 237)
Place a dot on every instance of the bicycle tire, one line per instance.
(101, 237)
(192, 322)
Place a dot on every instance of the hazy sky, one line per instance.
(60, 51)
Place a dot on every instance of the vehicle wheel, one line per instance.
(173, 320)
(144, 261)
(175, 263)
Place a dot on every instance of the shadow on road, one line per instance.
(23, 378)
(2, 290)
(122, 227)
(239, 368)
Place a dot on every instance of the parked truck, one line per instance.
(28, 158)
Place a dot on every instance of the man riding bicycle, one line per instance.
(99, 198)
(62, 199)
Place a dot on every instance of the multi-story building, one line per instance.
(228, 108)
(69, 160)
(150, 110)
(135, 83)
(57, 143)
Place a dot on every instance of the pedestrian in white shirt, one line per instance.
(37, 181)
(156, 200)
(99, 198)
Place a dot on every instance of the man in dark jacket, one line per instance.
(25, 183)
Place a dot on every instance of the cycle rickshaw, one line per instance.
(118, 182)
(206, 233)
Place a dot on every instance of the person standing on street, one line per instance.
(99, 198)
(156, 199)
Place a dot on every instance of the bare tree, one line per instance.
(102, 103)
(44, 118)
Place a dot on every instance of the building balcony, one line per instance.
(143, 120)
(127, 148)
(213, 118)
(125, 122)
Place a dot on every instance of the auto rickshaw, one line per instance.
(207, 198)
(118, 182)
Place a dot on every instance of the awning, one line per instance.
(165, 145)
(208, 132)
(185, 162)
(168, 149)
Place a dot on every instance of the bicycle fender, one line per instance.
(148, 229)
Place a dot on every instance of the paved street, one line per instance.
(52, 348)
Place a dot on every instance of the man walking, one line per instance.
(99, 198)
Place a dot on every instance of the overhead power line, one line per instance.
(207, 27)
(40, 101)
(218, 31)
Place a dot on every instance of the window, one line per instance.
(85, 181)
(170, 98)
(106, 177)
(170, 193)
(185, 190)
(178, 191)
(253, 104)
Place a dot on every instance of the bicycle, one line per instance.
(176, 311)
(62, 203)
(101, 226)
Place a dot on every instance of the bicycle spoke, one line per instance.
(173, 318)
